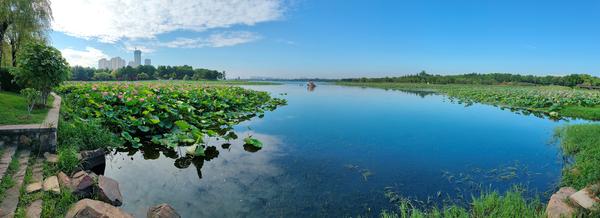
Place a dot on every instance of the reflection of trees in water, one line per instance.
(420, 93)
(151, 151)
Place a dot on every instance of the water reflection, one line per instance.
(231, 179)
(182, 160)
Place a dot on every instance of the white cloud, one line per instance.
(214, 40)
(114, 20)
(87, 58)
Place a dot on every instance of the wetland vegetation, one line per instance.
(555, 97)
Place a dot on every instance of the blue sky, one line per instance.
(336, 38)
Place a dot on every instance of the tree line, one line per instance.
(145, 72)
(488, 79)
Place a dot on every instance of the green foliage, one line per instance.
(41, 67)
(57, 205)
(252, 141)
(13, 110)
(31, 96)
(166, 114)
(581, 142)
(85, 134)
(102, 76)
(492, 205)
(67, 159)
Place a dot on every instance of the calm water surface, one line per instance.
(346, 151)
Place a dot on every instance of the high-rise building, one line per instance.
(112, 64)
(137, 58)
(103, 64)
(117, 63)
(147, 62)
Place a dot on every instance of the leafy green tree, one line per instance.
(21, 20)
(102, 76)
(41, 67)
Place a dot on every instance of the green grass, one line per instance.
(492, 205)
(13, 110)
(582, 143)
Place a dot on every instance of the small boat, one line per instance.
(311, 84)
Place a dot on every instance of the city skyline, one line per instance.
(117, 62)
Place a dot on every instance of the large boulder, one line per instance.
(93, 158)
(558, 206)
(51, 184)
(83, 184)
(108, 191)
(88, 208)
(162, 211)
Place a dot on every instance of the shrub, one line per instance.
(41, 67)
(86, 135)
(31, 95)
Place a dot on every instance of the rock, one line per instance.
(108, 191)
(51, 158)
(34, 210)
(82, 184)
(51, 184)
(88, 208)
(585, 199)
(558, 207)
(93, 158)
(33, 187)
(162, 211)
(79, 174)
(64, 181)
(24, 140)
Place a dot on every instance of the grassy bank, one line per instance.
(582, 144)
(13, 110)
(556, 101)
(511, 204)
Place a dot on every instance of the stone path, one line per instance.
(34, 210)
(5, 159)
(11, 197)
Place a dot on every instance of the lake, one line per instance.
(346, 151)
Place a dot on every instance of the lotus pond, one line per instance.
(333, 151)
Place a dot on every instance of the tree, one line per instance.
(41, 67)
(21, 20)
(102, 76)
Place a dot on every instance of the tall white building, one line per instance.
(147, 62)
(137, 58)
(103, 64)
(112, 64)
(117, 63)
